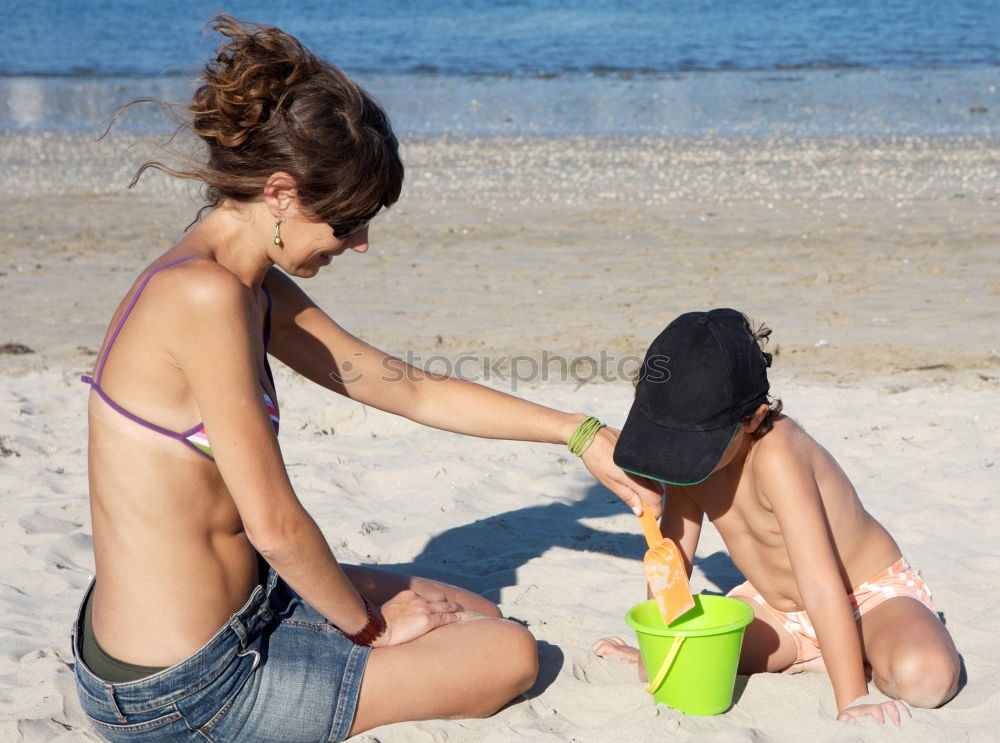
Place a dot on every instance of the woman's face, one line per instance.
(308, 245)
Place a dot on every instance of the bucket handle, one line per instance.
(667, 662)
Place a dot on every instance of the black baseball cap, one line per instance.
(701, 376)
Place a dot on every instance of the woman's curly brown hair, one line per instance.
(761, 333)
(267, 104)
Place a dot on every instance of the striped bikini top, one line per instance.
(195, 437)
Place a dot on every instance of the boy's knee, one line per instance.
(928, 680)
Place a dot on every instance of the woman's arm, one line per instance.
(307, 340)
(787, 481)
(211, 337)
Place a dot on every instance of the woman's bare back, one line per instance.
(172, 559)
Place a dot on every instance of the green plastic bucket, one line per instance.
(692, 661)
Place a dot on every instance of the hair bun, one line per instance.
(253, 74)
(265, 104)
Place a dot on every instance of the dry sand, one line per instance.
(876, 262)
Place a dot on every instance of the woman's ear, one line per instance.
(758, 417)
(280, 193)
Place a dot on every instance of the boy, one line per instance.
(827, 583)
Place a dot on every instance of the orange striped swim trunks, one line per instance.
(899, 579)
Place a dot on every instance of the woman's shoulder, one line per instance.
(195, 296)
(196, 281)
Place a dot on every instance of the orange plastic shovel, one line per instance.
(665, 572)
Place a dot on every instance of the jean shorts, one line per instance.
(277, 671)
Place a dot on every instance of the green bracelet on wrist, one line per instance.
(581, 439)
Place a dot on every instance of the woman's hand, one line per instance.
(409, 615)
(892, 708)
(637, 492)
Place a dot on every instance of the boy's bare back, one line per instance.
(777, 506)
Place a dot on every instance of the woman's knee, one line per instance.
(520, 657)
(513, 668)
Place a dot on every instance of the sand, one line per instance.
(875, 261)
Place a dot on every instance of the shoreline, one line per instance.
(817, 102)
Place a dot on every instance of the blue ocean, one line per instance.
(604, 67)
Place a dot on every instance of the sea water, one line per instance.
(591, 67)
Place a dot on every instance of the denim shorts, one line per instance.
(277, 671)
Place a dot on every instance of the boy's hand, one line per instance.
(892, 708)
(638, 493)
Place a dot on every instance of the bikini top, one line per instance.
(195, 437)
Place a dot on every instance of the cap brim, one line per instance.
(675, 457)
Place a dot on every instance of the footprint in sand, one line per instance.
(38, 523)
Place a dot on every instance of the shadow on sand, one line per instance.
(484, 556)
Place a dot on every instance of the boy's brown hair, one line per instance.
(761, 334)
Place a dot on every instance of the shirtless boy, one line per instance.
(827, 583)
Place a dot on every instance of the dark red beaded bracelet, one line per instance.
(371, 631)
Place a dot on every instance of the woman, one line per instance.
(218, 610)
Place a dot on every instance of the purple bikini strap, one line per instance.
(128, 310)
(95, 383)
(135, 418)
(182, 437)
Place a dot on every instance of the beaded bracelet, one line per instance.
(583, 436)
(372, 630)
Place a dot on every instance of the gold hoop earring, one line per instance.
(277, 236)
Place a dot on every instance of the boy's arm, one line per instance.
(789, 484)
(681, 521)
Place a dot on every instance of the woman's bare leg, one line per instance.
(467, 669)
